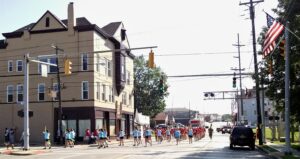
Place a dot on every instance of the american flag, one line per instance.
(275, 29)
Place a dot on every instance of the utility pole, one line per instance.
(60, 112)
(240, 76)
(287, 90)
(252, 16)
(26, 103)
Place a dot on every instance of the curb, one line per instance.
(275, 155)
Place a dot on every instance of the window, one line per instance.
(103, 92)
(124, 98)
(98, 91)
(130, 99)
(10, 93)
(98, 62)
(19, 65)
(10, 66)
(55, 89)
(83, 125)
(85, 90)
(110, 94)
(84, 62)
(47, 22)
(128, 78)
(41, 92)
(109, 68)
(19, 93)
(123, 68)
(51, 69)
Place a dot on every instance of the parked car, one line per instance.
(226, 129)
(242, 136)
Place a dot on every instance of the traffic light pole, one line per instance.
(60, 112)
(252, 16)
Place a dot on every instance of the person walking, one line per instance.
(11, 138)
(139, 136)
(72, 137)
(6, 137)
(177, 135)
(47, 142)
(159, 136)
(105, 138)
(168, 133)
(148, 137)
(210, 132)
(121, 137)
(135, 137)
(190, 134)
(100, 138)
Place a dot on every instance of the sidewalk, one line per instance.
(39, 149)
(277, 150)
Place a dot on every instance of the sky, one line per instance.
(207, 29)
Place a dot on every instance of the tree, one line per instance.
(275, 81)
(148, 97)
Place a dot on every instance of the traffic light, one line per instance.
(282, 48)
(161, 86)
(234, 82)
(151, 60)
(68, 67)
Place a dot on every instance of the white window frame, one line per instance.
(110, 94)
(128, 77)
(98, 62)
(82, 90)
(39, 85)
(10, 66)
(17, 65)
(9, 93)
(123, 68)
(22, 92)
(82, 62)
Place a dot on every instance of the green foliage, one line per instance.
(275, 81)
(148, 96)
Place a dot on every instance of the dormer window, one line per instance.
(47, 22)
(123, 34)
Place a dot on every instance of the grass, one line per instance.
(269, 135)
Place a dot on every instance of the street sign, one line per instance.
(44, 70)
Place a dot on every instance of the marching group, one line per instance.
(101, 138)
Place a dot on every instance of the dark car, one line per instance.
(226, 129)
(242, 136)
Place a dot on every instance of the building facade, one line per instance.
(250, 108)
(97, 94)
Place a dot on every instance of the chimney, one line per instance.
(71, 19)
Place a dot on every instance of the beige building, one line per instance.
(98, 93)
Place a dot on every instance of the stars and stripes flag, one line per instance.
(275, 29)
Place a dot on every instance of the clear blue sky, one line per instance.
(176, 27)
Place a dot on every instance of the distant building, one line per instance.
(181, 115)
(250, 108)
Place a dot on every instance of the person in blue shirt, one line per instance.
(135, 137)
(168, 133)
(121, 136)
(190, 134)
(46, 136)
(159, 136)
(100, 138)
(105, 138)
(139, 132)
(72, 137)
(148, 137)
(177, 135)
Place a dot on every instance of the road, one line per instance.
(216, 148)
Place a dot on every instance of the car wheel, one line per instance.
(252, 147)
(231, 146)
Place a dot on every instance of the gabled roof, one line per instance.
(111, 28)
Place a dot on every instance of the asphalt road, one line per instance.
(217, 148)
